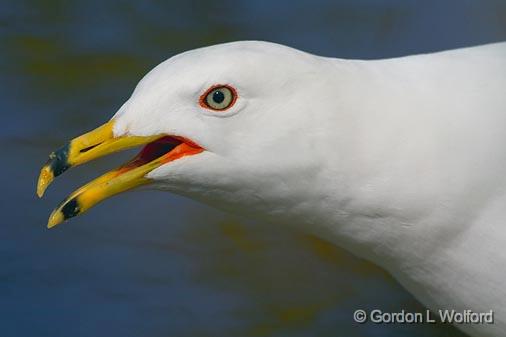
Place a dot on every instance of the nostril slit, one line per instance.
(86, 149)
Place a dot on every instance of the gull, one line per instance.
(401, 161)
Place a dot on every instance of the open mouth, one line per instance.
(160, 151)
(164, 149)
(157, 150)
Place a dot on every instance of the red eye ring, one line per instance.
(224, 91)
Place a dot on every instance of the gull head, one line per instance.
(232, 125)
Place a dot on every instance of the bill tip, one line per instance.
(68, 209)
(45, 178)
(54, 219)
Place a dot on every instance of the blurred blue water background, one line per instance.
(150, 263)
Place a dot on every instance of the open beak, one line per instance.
(157, 150)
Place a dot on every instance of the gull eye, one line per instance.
(218, 97)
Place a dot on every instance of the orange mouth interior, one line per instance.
(164, 150)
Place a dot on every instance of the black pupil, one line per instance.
(218, 96)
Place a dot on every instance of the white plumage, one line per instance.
(401, 161)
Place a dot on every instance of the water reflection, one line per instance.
(150, 263)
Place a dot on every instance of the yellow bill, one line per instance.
(158, 150)
(92, 145)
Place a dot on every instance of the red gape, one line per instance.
(168, 148)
